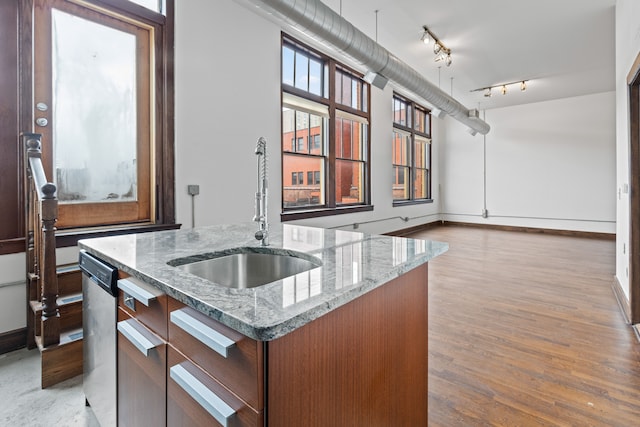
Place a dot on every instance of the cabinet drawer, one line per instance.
(196, 399)
(144, 302)
(141, 377)
(199, 338)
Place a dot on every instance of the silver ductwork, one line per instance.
(320, 22)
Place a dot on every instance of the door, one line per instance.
(92, 98)
(634, 215)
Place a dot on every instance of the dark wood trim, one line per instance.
(397, 203)
(331, 207)
(623, 302)
(634, 71)
(10, 150)
(634, 193)
(71, 237)
(569, 233)
(551, 231)
(13, 340)
(415, 229)
(12, 246)
(293, 215)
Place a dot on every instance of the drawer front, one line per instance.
(196, 399)
(145, 303)
(141, 376)
(230, 357)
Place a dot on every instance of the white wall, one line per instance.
(627, 49)
(227, 95)
(13, 309)
(549, 165)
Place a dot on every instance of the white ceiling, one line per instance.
(564, 47)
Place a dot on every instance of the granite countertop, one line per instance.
(352, 264)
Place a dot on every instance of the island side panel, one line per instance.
(363, 364)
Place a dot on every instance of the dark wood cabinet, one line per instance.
(362, 364)
(142, 377)
(194, 398)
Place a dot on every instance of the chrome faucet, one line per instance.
(261, 195)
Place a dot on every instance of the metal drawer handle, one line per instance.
(201, 394)
(143, 343)
(203, 333)
(140, 294)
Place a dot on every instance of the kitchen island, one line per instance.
(342, 343)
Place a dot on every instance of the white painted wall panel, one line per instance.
(548, 165)
(627, 49)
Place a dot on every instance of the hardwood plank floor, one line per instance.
(524, 330)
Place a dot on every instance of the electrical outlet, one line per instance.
(193, 190)
(485, 213)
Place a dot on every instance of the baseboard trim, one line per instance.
(410, 230)
(551, 231)
(621, 297)
(13, 340)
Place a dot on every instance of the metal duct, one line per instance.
(320, 22)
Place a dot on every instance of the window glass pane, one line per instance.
(422, 121)
(400, 183)
(421, 153)
(355, 94)
(351, 137)
(302, 131)
(365, 97)
(401, 146)
(296, 194)
(399, 112)
(349, 182)
(94, 97)
(339, 88)
(302, 72)
(288, 129)
(343, 148)
(315, 77)
(287, 65)
(346, 91)
(420, 184)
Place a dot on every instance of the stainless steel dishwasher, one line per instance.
(99, 316)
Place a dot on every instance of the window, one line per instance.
(325, 133)
(411, 152)
(297, 178)
(26, 28)
(108, 131)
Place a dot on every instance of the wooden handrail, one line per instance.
(41, 213)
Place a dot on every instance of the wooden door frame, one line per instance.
(633, 81)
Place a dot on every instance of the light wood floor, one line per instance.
(524, 330)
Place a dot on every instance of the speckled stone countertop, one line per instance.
(352, 264)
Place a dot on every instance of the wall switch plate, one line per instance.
(193, 190)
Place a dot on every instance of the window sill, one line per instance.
(315, 213)
(70, 237)
(411, 202)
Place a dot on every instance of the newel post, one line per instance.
(46, 209)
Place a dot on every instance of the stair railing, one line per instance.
(41, 216)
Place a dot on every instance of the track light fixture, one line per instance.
(439, 49)
(502, 86)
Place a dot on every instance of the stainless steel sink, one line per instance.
(247, 269)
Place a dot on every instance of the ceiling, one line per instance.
(564, 48)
